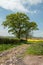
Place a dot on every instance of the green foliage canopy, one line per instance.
(19, 24)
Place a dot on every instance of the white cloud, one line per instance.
(34, 2)
(12, 5)
(18, 5)
(38, 33)
(31, 12)
(4, 33)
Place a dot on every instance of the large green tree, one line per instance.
(19, 24)
(16, 23)
(29, 28)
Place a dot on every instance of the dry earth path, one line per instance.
(33, 60)
(14, 57)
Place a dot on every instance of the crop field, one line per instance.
(35, 40)
(36, 47)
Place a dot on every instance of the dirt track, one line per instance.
(14, 57)
(33, 60)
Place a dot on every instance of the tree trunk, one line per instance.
(26, 37)
(19, 34)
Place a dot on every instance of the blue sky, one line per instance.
(33, 8)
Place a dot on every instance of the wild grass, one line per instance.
(36, 48)
(6, 46)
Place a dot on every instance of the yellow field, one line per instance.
(35, 40)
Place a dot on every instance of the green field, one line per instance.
(7, 43)
(35, 48)
(6, 46)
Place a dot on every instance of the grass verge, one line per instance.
(35, 49)
(4, 47)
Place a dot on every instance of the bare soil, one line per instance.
(33, 60)
(14, 57)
